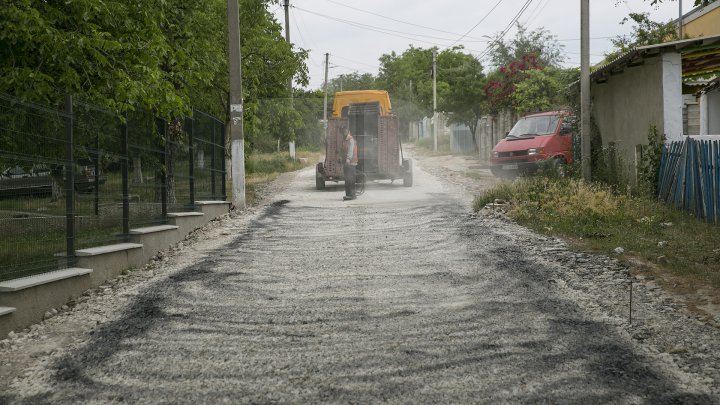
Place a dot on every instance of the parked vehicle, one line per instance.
(368, 115)
(37, 180)
(542, 139)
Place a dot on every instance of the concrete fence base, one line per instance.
(24, 301)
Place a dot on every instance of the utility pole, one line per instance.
(680, 20)
(434, 75)
(291, 146)
(585, 88)
(237, 138)
(286, 4)
(325, 89)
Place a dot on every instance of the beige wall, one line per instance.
(705, 25)
(630, 102)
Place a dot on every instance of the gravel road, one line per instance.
(401, 296)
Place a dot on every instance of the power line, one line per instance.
(401, 34)
(478, 23)
(356, 61)
(505, 31)
(400, 21)
(537, 11)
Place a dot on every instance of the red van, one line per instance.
(535, 139)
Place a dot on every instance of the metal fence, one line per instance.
(81, 176)
(690, 177)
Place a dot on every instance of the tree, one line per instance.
(539, 42)
(516, 61)
(645, 32)
(268, 64)
(697, 2)
(538, 91)
(407, 78)
(463, 95)
(351, 81)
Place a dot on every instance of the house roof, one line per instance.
(700, 57)
(711, 85)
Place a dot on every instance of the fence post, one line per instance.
(162, 130)
(69, 184)
(213, 147)
(97, 173)
(224, 166)
(124, 167)
(191, 153)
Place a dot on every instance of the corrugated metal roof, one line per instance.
(700, 56)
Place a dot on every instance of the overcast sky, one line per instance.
(357, 33)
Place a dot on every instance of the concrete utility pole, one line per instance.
(680, 20)
(325, 119)
(434, 75)
(286, 4)
(585, 87)
(237, 138)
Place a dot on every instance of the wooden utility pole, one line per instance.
(237, 138)
(585, 88)
(434, 75)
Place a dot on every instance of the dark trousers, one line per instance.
(349, 174)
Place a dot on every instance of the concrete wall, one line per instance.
(631, 101)
(106, 262)
(491, 129)
(713, 117)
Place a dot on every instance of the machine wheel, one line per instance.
(408, 175)
(319, 183)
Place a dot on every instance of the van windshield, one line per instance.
(530, 126)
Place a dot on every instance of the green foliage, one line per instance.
(460, 82)
(516, 59)
(351, 81)
(407, 78)
(644, 32)
(649, 165)
(601, 218)
(264, 164)
(540, 90)
(696, 3)
(539, 42)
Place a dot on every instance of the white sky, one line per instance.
(355, 43)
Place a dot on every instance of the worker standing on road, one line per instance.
(350, 160)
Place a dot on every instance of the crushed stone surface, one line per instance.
(402, 295)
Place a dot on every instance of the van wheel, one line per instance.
(559, 167)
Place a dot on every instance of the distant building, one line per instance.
(702, 21)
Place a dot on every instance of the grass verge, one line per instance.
(262, 168)
(679, 250)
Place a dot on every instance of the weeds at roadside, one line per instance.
(600, 218)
